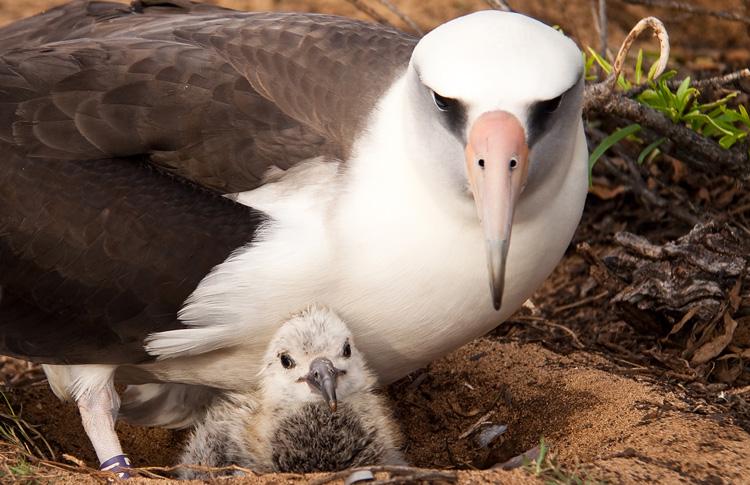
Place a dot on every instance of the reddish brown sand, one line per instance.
(601, 425)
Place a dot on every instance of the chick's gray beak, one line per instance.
(322, 377)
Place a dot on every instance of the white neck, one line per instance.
(389, 248)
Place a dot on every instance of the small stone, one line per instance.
(359, 477)
(489, 434)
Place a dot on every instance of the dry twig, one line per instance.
(369, 11)
(534, 320)
(479, 422)
(581, 302)
(692, 9)
(404, 18)
(499, 5)
(601, 24)
(738, 391)
(661, 34)
(403, 474)
(716, 82)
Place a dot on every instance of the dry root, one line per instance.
(688, 293)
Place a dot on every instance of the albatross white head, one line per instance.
(495, 104)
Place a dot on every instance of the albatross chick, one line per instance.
(315, 409)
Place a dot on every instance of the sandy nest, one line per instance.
(569, 370)
(601, 424)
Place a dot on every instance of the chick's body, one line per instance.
(287, 425)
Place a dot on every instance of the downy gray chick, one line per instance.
(315, 409)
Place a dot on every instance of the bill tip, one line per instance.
(497, 302)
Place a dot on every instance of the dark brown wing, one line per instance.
(97, 249)
(214, 97)
(80, 19)
(178, 104)
(96, 255)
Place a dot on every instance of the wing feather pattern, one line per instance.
(213, 95)
(98, 248)
(98, 254)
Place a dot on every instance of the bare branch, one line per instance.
(595, 19)
(603, 22)
(499, 5)
(659, 31)
(402, 474)
(710, 82)
(695, 149)
(404, 18)
(692, 9)
(369, 11)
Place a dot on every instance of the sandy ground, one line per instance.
(601, 424)
(605, 419)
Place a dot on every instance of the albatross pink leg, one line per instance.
(92, 388)
(98, 408)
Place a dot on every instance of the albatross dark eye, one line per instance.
(549, 106)
(541, 115)
(443, 103)
(286, 361)
(347, 350)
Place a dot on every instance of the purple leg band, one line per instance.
(118, 464)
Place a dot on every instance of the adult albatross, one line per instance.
(385, 176)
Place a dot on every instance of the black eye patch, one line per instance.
(540, 115)
(549, 106)
(452, 113)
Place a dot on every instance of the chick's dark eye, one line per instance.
(286, 361)
(443, 103)
(347, 350)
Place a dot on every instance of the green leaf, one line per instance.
(609, 141)
(652, 147)
(652, 72)
(715, 123)
(588, 67)
(744, 116)
(603, 63)
(623, 83)
(639, 67)
(719, 102)
(543, 449)
(682, 90)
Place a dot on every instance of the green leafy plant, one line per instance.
(619, 135)
(21, 468)
(717, 120)
(546, 468)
